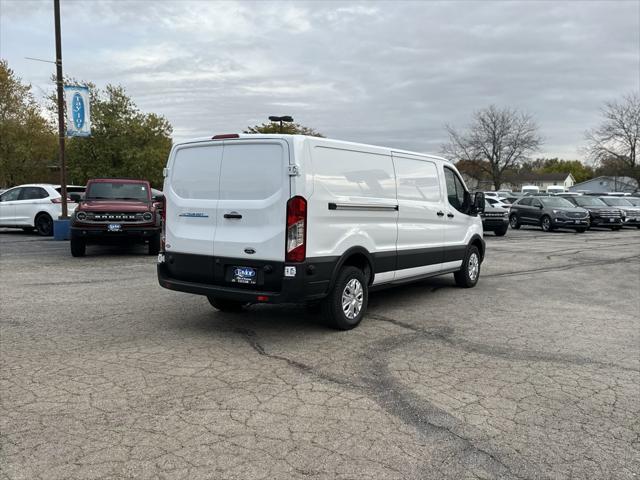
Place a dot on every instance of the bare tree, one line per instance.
(617, 139)
(498, 139)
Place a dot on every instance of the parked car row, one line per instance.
(565, 210)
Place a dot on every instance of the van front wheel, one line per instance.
(468, 275)
(347, 301)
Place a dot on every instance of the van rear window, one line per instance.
(195, 172)
(252, 171)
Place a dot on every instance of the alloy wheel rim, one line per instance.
(545, 224)
(44, 224)
(473, 267)
(352, 298)
(514, 221)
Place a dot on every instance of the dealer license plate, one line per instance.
(245, 275)
(114, 227)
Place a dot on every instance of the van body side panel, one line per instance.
(420, 229)
(353, 204)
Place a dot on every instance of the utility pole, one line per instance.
(61, 132)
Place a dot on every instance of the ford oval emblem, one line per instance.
(249, 251)
(78, 111)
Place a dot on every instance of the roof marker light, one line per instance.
(225, 135)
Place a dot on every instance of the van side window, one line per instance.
(455, 191)
(417, 180)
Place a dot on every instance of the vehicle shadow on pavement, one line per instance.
(297, 319)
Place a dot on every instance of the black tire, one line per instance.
(44, 225)
(514, 222)
(225, 305)
(154, 245)
(637, 226)
(581, 230)
(616, 228)
(501, 232)
(28, 229)
(465, 277)
(351, 283)
(78, 247)
(545, 223)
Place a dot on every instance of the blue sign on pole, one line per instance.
(78, 111)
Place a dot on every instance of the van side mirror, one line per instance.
(75, 197)
(158, 198)
(478, 203)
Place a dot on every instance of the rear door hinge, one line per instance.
(294, 170)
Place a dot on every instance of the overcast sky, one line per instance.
(384, 73)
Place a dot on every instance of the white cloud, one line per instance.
(383, 72)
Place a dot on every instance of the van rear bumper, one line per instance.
(308, 284)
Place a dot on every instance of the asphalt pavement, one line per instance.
(533, 374)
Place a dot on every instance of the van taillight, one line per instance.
(296, 249)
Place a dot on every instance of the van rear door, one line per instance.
(191, 190)
(251, 210)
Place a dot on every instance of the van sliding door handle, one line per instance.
(450, 215)
(232, 215)
(440, 214)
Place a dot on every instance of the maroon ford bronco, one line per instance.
(117, 210)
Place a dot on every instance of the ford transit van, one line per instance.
(255, 218)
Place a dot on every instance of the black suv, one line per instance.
(549, 213)
(601, 214)
(630, 212)
(495, 219)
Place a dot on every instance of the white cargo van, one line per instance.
(530, 189)
(288, 218)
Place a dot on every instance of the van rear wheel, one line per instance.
(225, 305)
(347, 301)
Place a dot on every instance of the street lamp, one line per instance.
(286, 118)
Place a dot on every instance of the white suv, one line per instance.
(33, 206)
(282, 218)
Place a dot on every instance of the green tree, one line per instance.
(27, 138)
(124, 141)
(579, 170)
(288, 128)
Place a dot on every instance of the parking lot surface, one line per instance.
(533, 374)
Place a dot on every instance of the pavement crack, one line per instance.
(445, 335)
